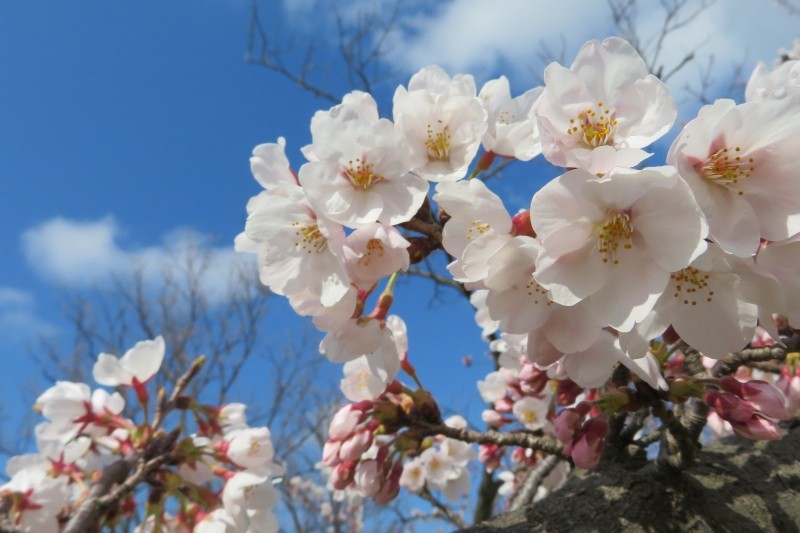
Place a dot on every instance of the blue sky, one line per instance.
(122, 123)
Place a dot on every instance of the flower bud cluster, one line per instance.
(583, 440)
(751, 407)
(223, 474)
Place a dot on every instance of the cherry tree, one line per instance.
(636, 309)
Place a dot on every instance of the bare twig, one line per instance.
(446, 512)
(520, 438)
(528, 490)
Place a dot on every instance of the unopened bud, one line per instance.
(521, 224)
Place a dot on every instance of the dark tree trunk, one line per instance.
(736, 485)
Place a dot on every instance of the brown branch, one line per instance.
(776, 352)
(431, 229)
(528, 490)
(519, 438)
(448, 513)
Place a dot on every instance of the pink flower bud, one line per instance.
(504, 405)
(568, 422)
(588, 447)
(732, 385)
(532, 380)
(567, 391)
(522, 456)
(344, 422)
(790, 387)
(356, 445)
(522, 224)
(330, 453)
(757, 428)
(766, 398)
(368, 478)
(729, 407)
(493, 418)
(342, 475)
(391, 487)
(490, 455)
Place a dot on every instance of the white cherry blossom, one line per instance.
(531, 412)
(763, 81)
(360, 171)
(374, 251)
(479, 226)
(599, 113)
(41, 499)
(512, 128)
(615, 239)
(137, 366)
(364, 336)
(740, 163)
(443, 120)
(270, 166)
(249, 497)
(298, 250)
(360, 381)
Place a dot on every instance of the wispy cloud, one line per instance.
(479, 37)
(18, 319)
(508, 36)
(81, 253)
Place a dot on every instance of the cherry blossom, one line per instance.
(443, 120)
(298, 250)
(763, 81)
(135, 368)
(359, 172)
(512, 129)
(372, 252)
(739, 162)
(615, 239)
(603, 110)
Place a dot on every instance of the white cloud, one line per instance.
(484, 38)
(473, 35)
(18, 319)
(80, 253)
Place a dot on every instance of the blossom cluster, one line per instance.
(612, 264)
(372, 450)
(223, 474)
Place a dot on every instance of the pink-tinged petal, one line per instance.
(757, 428)
(648, 369)
(541, 351)
(519, 309)
(593, 367)
(144, 359)
(109, 372)
(559, 203)
(672, 225)
(571, 329)
(633, 288)
(715, 328)
(766, 398)
(572, 277)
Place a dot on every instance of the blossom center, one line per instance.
(726, 167)
(506, 117)
(254, 448)
(537, 292)
(616, 229)
(476, 229)
(308, 237)
(438, 142)
(361, 174)
(595, 126)
(374, 249)
(691, 284)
